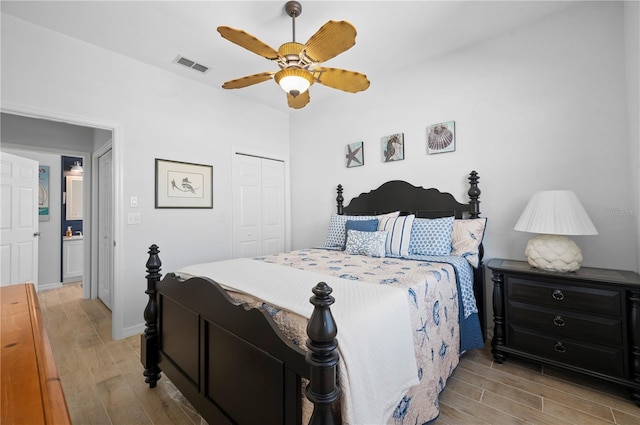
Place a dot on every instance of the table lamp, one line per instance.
(555, 214)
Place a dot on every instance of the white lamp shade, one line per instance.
(555, 212)
(294, 80)
(77, 167)
(294, 84)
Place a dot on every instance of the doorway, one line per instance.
(48, 137)
(105, 226)
(72, 218)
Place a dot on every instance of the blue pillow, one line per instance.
(361, 226)
(336, 234)
(431, 236)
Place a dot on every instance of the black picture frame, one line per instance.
(183, 184)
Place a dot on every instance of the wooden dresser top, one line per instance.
(31, 388)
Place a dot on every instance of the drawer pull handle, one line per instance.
(558, 321)
(559, 347)
(558, 295)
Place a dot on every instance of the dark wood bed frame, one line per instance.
(232, 362)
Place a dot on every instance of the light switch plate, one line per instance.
(133, 218)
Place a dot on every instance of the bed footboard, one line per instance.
(232, 362)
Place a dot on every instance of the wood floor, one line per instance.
(103, 383)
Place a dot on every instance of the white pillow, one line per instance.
(371, 244)
(399, 236)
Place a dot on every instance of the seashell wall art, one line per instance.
(441, 137)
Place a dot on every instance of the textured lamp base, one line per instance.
(554, 253)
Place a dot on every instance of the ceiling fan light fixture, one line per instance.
(294, 80)
(300, 63)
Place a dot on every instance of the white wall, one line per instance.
(632, 36)
(543, 107)
(100, 139)
(49, 135)
(154, 114)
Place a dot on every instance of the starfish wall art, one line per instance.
(355, 154)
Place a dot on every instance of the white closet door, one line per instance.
(273, 207)
(258, 206)
(247, 208)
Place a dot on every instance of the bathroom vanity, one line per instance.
(72, 258)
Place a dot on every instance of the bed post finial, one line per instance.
(340, 199)
(149, 340)
(322, 357)
(474, 194)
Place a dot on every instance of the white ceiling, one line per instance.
(391, 34)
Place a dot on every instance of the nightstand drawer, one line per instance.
(596, 358)
(590, 328)
(567, 297)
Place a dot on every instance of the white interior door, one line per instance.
(247, 199)
(258, 206)
(105, 226)
(19, 220)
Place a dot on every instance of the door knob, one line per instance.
(37, 234)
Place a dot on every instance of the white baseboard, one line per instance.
(72, 279)
(133, 330)
(49, 286)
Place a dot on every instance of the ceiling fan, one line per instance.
(300, 63)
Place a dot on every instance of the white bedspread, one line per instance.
(375, 339)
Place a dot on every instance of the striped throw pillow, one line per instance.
(399, 234)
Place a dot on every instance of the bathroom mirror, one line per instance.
(74, 198)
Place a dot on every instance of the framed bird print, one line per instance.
(392, 147)
(355, 154)
(183, 185)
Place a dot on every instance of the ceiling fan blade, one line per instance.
(300, 101)
(248, 80)
(330, 40)
(341, 79)
(248, 41)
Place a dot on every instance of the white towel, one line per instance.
(375, 339)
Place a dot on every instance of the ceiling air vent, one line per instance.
(190, 64)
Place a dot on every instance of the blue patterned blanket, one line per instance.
(436, 288)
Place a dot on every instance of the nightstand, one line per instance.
(586, 321)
